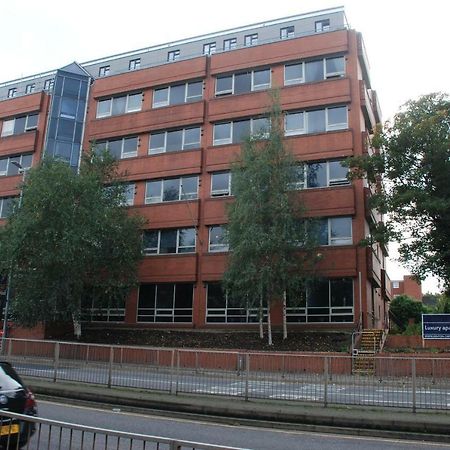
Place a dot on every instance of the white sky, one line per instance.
(406, 41)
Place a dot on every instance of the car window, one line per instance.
(9, 380)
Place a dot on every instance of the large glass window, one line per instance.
(220, 184)
(120, 148)
(174, 140)
(6, 204)
(165, 302)
(321, 174)
(314, 70)
(237, 131)
(334, 231)
(316, 121)
(119, 105)
(243, 82)
(229, 44)
(167, 241)
(178, 94)
(8, 168)
(20, 124)
(218, 239)
(326, 300)
(172, 189)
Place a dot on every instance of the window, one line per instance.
(134, 64)
(119, 148)
(162, 242)
(173, 55)
(168, 302)
(19, 125)
(8, 168)
(209, 49)
(395, 284)
(30, 88)
(217, 239)
(240, 83)
(316, 70)
(48, 84)
(316, 121)
(326, 300)
(12, 92)
(322, 25)
(171, 189)
(174, 140)
(103, 71)
(119, 105)
(229, 44)
(334, 231)
(178, 94)
(220, 184)
(287, 32)
(237, 131)
(222, 308)
(6, 205)
(251, 39)
(325, 174)
(129, 192)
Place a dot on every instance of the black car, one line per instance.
(15, 397)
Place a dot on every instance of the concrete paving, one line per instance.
(400, 423)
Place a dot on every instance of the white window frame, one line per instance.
(223, 141)
(221, 192)
(160, 197)
(122, 145)
(8, 130)
(231, 43)
(111, 100)
(12, 92)
(300, 185)
(166, 102)
(216, 248)
(326, 75)
(159, 150)
(177, 247)
(333, 75)
(8, 159)
(319, 25)
(253, 87)
(129, 193)
(342, 240)
(173, 55)
(296, 131)
(30, 88)
(48, 84)
(335, 181)
(337, 126)
(12, 121)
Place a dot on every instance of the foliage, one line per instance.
(413, 329)
(71, 235)
(265, 227)
(414, 163)
(443, 304)
(403, 308)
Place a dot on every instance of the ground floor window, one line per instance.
(165, 302)
(96, 309)
(323, 301)
(222, 308)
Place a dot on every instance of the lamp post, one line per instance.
(23, 171)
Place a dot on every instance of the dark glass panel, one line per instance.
(189, 187)
(66, 128)
(71, 87)
(222, 131)
(191, 138)
(115, 148)
(147, 295)
(164, 296)
(293, 73)
(26, 161)
(216, 296)
(242, 83)
(153, 191)
(32, 121)
(177, 94)
(174, 140)
(157, 142)
(19, 124)
(63, 150)
(12, 168)
(150, 241)
(130, 146)
(168, 241)
(317, 175)
(261, 78)
(187, 240)
(342, 292)
(194, 91)
(316, 121)
(171, 190)
(183, 296)
(118, 105)
(220, 183)
(224, 84)
(314, 71)
(68, 107)
(241, 130)
(318, 294)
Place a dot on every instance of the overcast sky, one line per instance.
(406, 41)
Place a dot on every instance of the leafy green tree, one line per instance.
(414, 163)
(443, 304)
(403, 308)
(70, 236)
(265, 229)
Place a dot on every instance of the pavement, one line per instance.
(387, 422)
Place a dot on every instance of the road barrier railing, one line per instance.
(416, 383)
(52, 434)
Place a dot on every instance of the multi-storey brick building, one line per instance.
(175, 115)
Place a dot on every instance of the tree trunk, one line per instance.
(284, 316)
(261, 317)
(269, 324)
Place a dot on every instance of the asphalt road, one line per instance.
(348, 390)
(207, 432)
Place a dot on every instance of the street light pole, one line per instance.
(23, 171)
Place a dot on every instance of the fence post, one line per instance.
(87, 354)
(172, 373)
(56, 362)
(414, 387)
(325, 383)
(177, 372)
(433, 379)
(247, 374)
(110, 367)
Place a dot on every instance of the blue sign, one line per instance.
(436, 326)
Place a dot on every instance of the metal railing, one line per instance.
(52, 435)
(416, 383)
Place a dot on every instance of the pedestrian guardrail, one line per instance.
(415, 383)
(52, 435)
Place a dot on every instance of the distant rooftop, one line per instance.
(321, 21)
